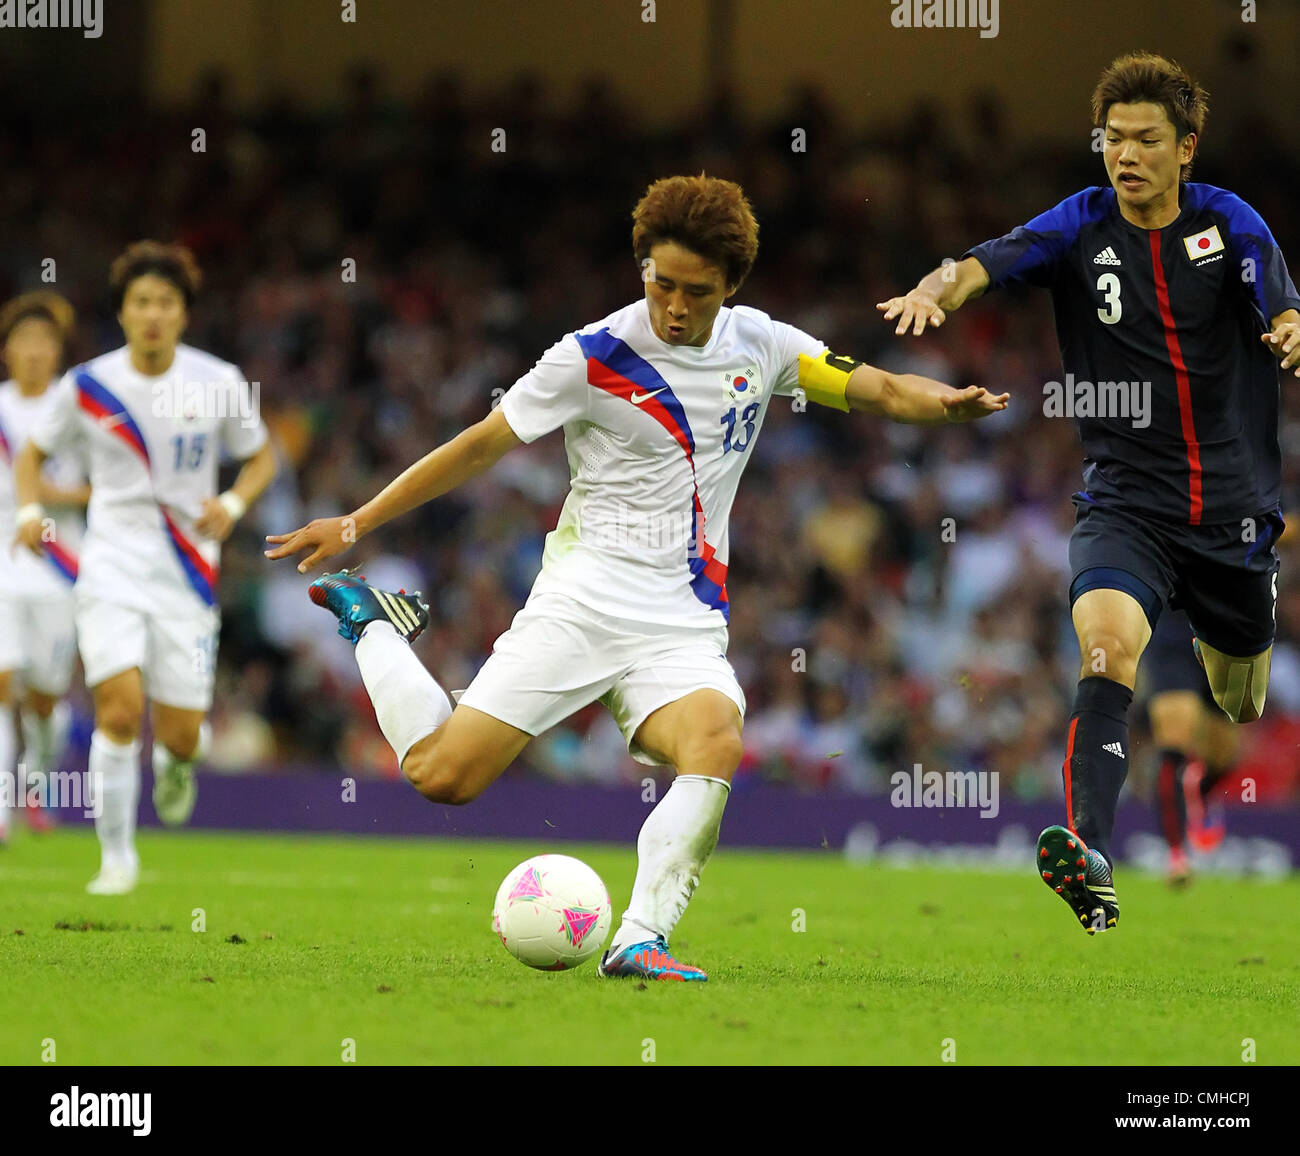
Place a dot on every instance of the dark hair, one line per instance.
(175, 263)
(43, 303)
(1144, 77)
(707, 215)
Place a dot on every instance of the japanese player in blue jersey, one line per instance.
(660, 403)
(1179, 290)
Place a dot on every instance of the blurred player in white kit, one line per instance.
(37, 636)
(153, 418)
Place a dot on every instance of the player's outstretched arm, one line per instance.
(842, 383)
(908, 397)
(453, 463)
(946, 288)
(1284, 339)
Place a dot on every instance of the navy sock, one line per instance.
(1169, 792)
(1096, 762)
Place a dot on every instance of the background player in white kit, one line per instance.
(660, 404)
(38, 641)
(154, 418)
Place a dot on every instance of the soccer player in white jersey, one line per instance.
(154, 418)
(660, 403)
(38, 642)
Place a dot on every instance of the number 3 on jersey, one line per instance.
(193, 458)
(1108, 285)
(729, 420)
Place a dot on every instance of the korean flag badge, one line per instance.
(744, 385)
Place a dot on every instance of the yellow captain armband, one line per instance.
(825, 378)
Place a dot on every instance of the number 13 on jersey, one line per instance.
(747, 416)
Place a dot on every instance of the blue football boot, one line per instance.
(356, 604)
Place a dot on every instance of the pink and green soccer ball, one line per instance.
(552, 912)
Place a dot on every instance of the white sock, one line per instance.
(115, 772)
(10, 786)
(409, 703)
(676, 841)
(164, 761)
(45, 738)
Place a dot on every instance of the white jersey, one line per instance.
(153, 446)
(657, 436)
(26, 575)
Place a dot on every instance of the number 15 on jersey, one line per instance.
(189, 457)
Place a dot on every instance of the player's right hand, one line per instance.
(325, 537)
(29, 535)
(918, 309)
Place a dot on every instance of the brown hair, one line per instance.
(42, 303)
(707, 215)
(1142, 77)
(175, 263)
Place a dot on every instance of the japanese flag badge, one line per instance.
(743, 385)
(1204, 244)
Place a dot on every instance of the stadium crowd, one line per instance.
(898, 594)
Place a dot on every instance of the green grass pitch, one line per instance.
(311, 941)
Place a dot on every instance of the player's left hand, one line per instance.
(215, 522)
(973, 402)
(1285, 343)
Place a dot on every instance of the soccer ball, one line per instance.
(552, 912)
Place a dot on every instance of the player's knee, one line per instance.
(40, 703)
(1109, 655)
(1174, 724)
(181, 740)
(1249, 710)
(717, 753)
(6, 686)
(1239, 685)
(119, 719)
(439, 775)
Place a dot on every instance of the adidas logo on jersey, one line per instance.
(1113, 749)
(1107, 257)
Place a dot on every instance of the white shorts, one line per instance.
(176, 656)
(38, 638)
(559, 656)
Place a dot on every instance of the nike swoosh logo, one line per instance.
(637, 399)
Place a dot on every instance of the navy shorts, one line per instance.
(1224, 576)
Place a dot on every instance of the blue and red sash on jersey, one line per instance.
(612, 365)
(63, 561)
(100, 403)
